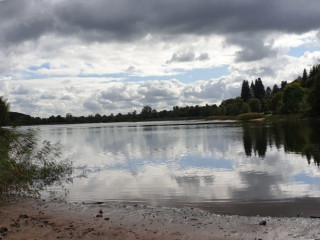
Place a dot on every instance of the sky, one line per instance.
(110, 56)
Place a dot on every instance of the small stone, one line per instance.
(107, 219)
(100, 211)
(263, 222)
(16, 224)
(23, 216)
(3, 230)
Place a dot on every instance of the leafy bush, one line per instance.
(26, 167)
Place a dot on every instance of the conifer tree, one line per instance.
(304, 75)
(275, 89)
(283, 84)
(268, 92)
(304, 78)
(259, 90)
(245, 91)
(252, 89)
(4, 112)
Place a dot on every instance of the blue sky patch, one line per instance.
(205, 162)
(35, 68)
(299, 51)
(202, 74)
(185, 76)
(304, 178)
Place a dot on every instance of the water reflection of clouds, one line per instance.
(155, 183)
(201, 162)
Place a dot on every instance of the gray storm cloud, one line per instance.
(126, 20)
(188, 56)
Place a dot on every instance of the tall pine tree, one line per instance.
(304, 78)
(245, 91)
(259, 90)
(275, 89)
(252, 89)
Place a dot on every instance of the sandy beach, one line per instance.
(30, 218)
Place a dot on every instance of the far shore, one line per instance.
(31, 218)
(255, 117)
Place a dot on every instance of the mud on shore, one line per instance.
(30, 218)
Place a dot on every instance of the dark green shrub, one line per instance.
(27, 166)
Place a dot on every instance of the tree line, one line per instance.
(300, 96)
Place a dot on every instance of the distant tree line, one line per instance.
(300, 96)
(147, 113)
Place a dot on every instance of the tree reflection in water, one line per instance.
(301, 137)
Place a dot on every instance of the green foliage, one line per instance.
(234, 106)
(27, 166)
(259, 91)
(275, 103)
(146, 112)
(275, 89)
(4, 112)
(245, 91)
(268, 92)
(314, 97)
(304, 78)
(292, 97)
(255, 104)
(283, 84)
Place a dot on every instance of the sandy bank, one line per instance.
(28, 218)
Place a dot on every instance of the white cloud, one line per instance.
(4, 86)
(112, 66)
(89, 95)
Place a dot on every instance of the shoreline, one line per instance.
(30, 218)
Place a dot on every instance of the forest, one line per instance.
(300, 97)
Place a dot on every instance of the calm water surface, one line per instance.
(196, 163)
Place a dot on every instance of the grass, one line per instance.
(221, 118)
(297, 116)
(250, 116)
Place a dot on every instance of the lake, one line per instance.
(228, 167)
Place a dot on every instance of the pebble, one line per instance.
(3, 230)
(263, 222)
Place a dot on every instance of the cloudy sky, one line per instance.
(109, 56)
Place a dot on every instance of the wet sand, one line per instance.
(298, 207)
(29, 218)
